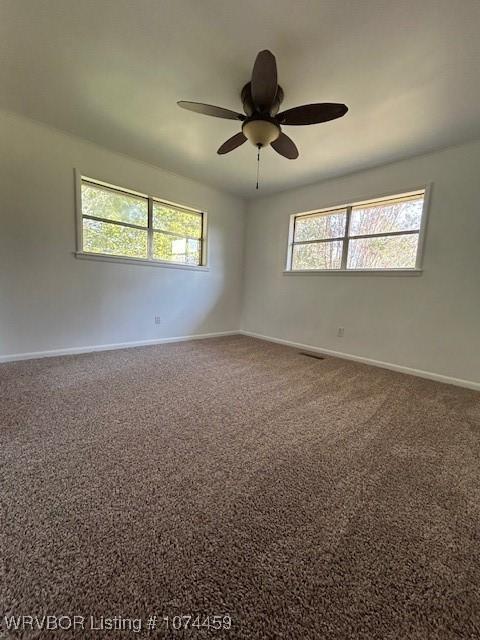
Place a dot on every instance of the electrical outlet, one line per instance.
(157, 320)
(340, 332)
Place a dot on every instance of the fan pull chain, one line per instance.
(258, 164)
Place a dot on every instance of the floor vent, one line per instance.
(317, 356)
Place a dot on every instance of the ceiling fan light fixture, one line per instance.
(262, 123)
(261, 132)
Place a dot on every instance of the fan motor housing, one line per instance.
(247, 101)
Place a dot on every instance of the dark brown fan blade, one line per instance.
(285, 146)
(312, 113)
(232, 143)
(210, 110)
(264, 80)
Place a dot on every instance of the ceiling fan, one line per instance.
(262, 124)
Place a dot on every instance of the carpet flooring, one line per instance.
(307, 499)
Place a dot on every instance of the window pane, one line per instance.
(114, 239)
(320, 227)
(176, 221)
(389, 252)
(321, 255)
(385, 217)
(184, 250)
(114, 205)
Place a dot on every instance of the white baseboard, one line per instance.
(110, 347)
(469, 384)
(459, 382)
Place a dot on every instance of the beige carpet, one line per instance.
(307, 498)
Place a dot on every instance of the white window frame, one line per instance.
(417, 270)
(81, 177)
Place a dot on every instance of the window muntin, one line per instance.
(317, 255)
(116, 222)
(387, 217)
(176, 249)
(320, 226)
(378, 235)
(177, 234)
(176, 221)
(383, 252)
(114, 239)
(111, 204)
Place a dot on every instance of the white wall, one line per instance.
(51, 300)
(430, 322)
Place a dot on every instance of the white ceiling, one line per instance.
(111, 71)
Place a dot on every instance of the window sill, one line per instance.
(355, 272)
(102, 257)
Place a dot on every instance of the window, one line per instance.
(121, 223)
(367, 236)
